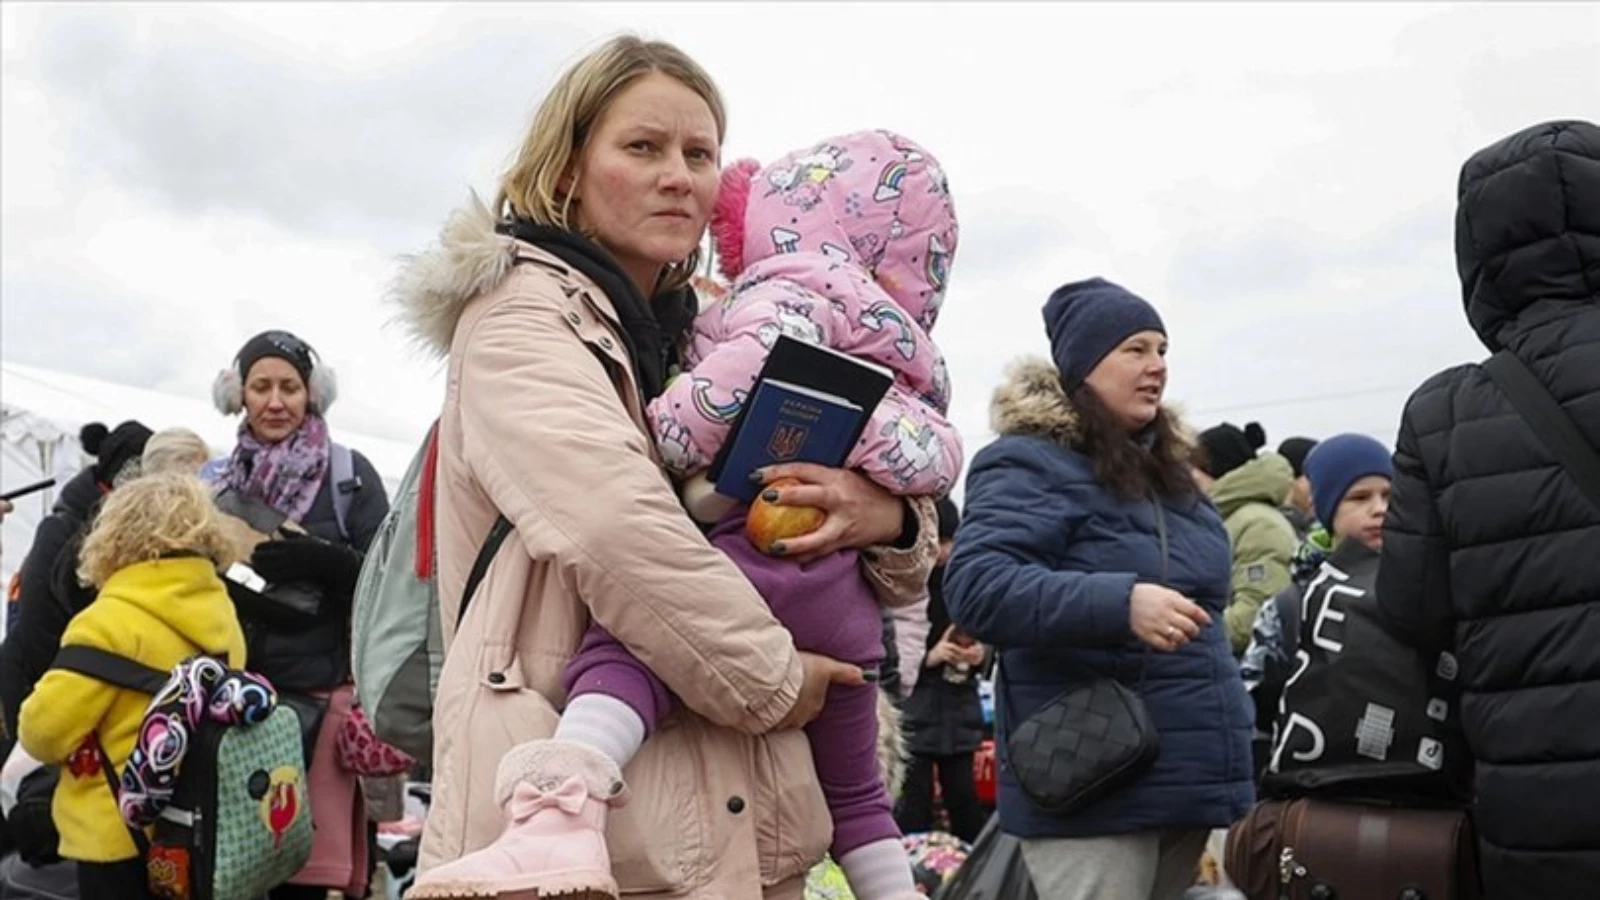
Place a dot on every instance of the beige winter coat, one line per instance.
(542, 422)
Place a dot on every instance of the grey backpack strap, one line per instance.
(345, 485)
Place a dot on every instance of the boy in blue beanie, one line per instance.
(1349, 476)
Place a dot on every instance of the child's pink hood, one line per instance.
(846, 245)
(848, 199)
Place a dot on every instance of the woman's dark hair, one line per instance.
(1153, 464)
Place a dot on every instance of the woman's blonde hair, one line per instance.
(174, 450)
(150, 517)
(532, 188)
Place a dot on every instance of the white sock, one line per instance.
(880, 870)
(604, 723)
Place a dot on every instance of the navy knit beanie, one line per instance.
(1088, 319)
(1338, 462)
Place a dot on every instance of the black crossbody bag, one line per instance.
(1088, 741)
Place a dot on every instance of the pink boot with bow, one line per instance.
(555, 795)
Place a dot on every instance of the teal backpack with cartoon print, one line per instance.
(233, 819)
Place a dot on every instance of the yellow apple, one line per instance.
(769, 523)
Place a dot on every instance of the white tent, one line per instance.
(41, 411)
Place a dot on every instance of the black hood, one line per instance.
(78, 496)
(1528, 225)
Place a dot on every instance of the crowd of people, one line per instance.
(133, 559)
(1184, 630)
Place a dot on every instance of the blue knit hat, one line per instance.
(1088, 319)
(1338, 462)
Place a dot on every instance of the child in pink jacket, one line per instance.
(846, 244)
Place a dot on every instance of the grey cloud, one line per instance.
(1539, 59)
(79, 328)
(117, 335)
(1285, 258)
(203, 121)
(1006, 231)
(1311, 333)
(1272, 257)
(1322, 367)
(1539, 56)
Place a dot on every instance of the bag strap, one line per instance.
(1166, 569)
(1550, 423)
(427, 547)
(140, 841)
(480, 567)
(345, 485)
(427, 558)
(1144, 655)
(113, 668)
(1161, 535)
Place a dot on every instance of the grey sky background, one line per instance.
(1278, 179)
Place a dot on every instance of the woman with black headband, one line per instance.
(288, 479)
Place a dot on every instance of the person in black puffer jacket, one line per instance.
(1490, 549)
(49, 593)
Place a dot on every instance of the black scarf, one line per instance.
(650, 331)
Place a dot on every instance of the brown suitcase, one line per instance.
(1326, 850)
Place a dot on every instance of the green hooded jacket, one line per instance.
(1250, 500)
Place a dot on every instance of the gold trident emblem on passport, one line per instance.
(787, 441)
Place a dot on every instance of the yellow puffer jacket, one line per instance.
(157, 613)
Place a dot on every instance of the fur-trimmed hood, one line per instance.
(1031, 401)
(433, 287)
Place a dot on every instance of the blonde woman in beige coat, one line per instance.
(560, 313)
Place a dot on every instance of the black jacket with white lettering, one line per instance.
(1491, 548)
(1364, 717)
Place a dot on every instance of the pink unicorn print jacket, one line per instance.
(846, 244)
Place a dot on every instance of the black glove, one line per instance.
(32, 828)
(334, 567)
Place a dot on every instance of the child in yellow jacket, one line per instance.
(154, 553)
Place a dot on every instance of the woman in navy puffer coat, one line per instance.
(1059, 564)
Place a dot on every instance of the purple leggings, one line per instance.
(829, 608)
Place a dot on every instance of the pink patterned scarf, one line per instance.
(286, 475)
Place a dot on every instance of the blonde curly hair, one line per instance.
(152, 516)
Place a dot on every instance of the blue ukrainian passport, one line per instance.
(809, 404)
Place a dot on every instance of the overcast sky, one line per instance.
(1277, 178)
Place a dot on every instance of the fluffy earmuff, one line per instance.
(227, 391)
(324, 387)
